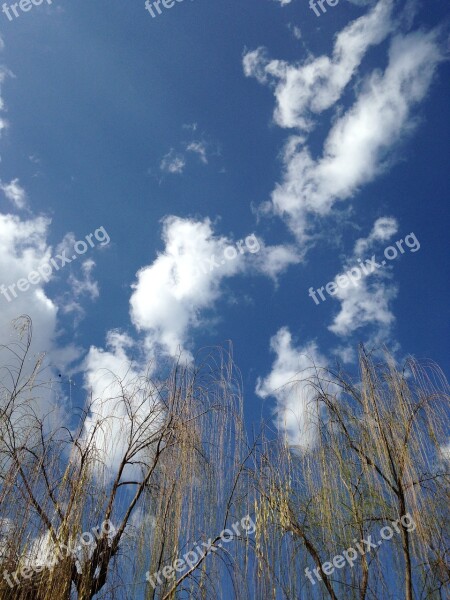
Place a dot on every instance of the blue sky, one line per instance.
(325, 137)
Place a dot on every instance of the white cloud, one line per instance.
(86, 286)
(200, 149)
(111, 375)
(169, 300)
(346, 354)
(23, 248)
(316, 84)
(170, 293)
(296, 31)
(366, 301)
(190, 126)
(356, 148)
(185, 279)
(289, 382)
(254, 64)
(15, 193)
(384, 228)
(4, 73)
(275, 260)
(173, 163)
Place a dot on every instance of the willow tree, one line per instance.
(150, 468)
(363, 512)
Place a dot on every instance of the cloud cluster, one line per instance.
(316, 84)
(364, 303)
(173, 294)
(171, 298)
(175, 162)
(357, 147)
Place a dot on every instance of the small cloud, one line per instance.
(296, 31)
(191, 126)
(383, 229)
(85, 286)
(273, 261)
(346, 354)
(178, 158)
(173, 163)
(200, 149)
(15, 193)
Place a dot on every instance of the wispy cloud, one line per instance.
(306, 89)
(200, 149)
(15, 193)
(367, 301)
(296, 31)
(190, 126)
(358, 144)
(173, 163)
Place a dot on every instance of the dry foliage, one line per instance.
(377, 457)
(183, 471)
(178, 479)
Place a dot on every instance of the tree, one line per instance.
(377, 458)
(178, 460)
